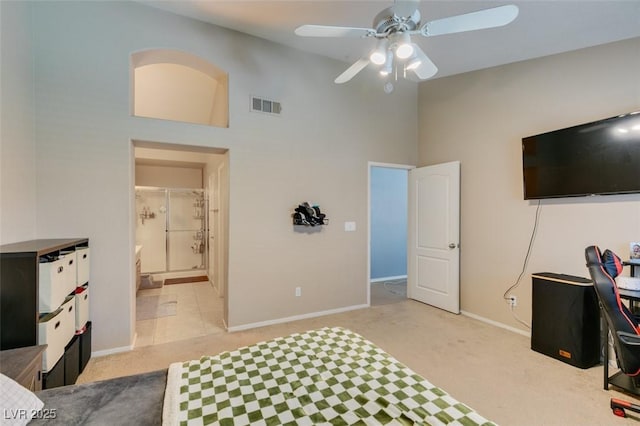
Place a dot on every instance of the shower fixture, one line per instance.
(146, 214)
(178, 240)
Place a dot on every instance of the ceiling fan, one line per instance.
(393, 28)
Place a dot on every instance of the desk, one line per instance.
(619, 379)
(633, 264)
(24, 365)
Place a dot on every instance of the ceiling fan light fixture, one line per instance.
(404, 48)
(379, 55)
(377, 58)
(392, 29)
(388, 65)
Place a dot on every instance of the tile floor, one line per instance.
(199, 312)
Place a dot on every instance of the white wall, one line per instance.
(317, 150)
(480, 118)
(17, 139)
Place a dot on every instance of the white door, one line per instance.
(433, 271)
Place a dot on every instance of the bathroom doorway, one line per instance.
(177, 289)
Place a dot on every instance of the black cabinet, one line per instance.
(54, 377)
(18, 301)
(565, 321)
(24, 285)
(72, 361)
(85, 346)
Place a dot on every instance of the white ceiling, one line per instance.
(542, 27)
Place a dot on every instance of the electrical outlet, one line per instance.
(349, 226)
(513, 301)
(298, 291)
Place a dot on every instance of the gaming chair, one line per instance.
(624, 326)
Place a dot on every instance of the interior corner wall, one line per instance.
(17, 138)
(480, 118)
(317, 150)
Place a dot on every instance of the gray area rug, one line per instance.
(132, 400)
(397, 287)
(387, 292)
(146, 283)
(150, 307)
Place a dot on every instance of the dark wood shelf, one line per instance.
(24, 365)
(42, 247)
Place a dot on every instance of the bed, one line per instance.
(326, 376)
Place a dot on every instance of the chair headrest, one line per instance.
(611, 263)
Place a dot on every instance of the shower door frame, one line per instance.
(205, 227)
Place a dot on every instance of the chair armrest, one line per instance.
(628, 338)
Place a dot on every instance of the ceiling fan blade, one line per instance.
(328, 31)
(427, 68)
(488, 18)
(352, 71)
(404, 8)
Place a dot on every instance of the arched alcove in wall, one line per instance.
(174, 85)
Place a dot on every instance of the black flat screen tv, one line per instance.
(596, 158)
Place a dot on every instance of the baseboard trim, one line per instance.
(217, 289)
(397, 277)
(295, 318)
(112, 351)
(496, 324)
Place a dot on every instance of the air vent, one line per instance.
(266, 106)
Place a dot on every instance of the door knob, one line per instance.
(452, 245)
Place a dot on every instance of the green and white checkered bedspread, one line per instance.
(328, 376)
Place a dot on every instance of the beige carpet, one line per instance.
(488, 368)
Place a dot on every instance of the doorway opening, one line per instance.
(388, 204)
(180, 208)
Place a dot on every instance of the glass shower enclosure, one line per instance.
(172, 228)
